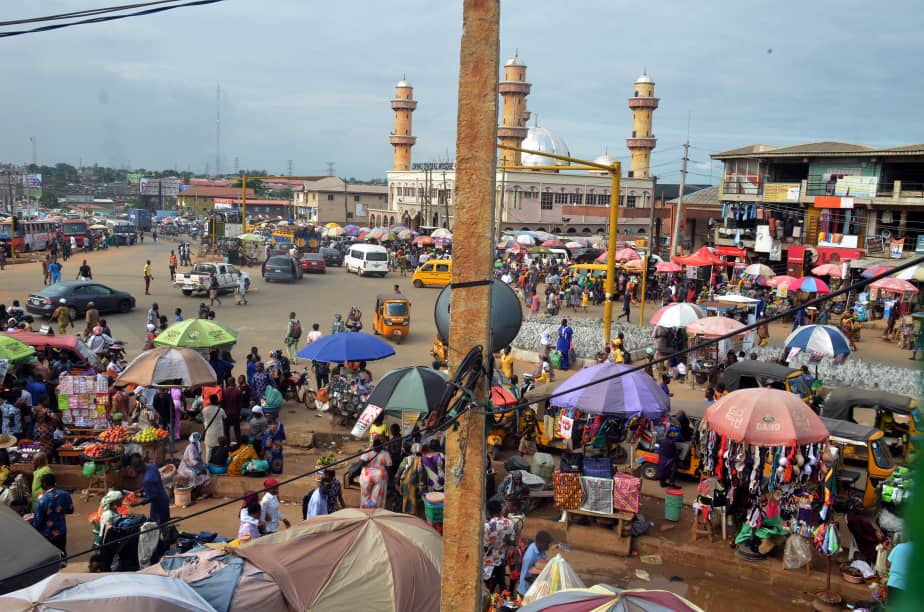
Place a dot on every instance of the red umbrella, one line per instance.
(423, 241)
(703, 257)
(894, 285)
(668, 266)
(765, 417)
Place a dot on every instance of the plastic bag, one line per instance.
(797, 553)
(555, 576)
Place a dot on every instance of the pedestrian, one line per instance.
(269, 507)
(172, 265)
(534, 561)
(667, 461)
(46, 274)
(213, 417)
(154, 235)
(213, 289)
(373, 480)
(293, 334)
(179, 409)
(232, 402)
(62, 315)
(626, 304)
(338, 325)
(499, 536)
(91, 318)
(252, 525)
(3, 248)
(147, 277)
(563, 344)
(410, 482)
(72, 246)
(84, 273)
(316, 503)
(240, 294)
(50, 513)
(177, 315)
(153, 317)
(274, 439)
(54, 270)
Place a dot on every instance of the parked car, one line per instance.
(332, 257)
(367, 259)
(197, 280)
(282, 268)
(313, 262)
(78, 294)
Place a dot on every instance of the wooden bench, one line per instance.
(623, 521)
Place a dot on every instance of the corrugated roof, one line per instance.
(746, 150)
(210, 191)
(333, 183)
(826, 148)
(907, 148)
(709, 195)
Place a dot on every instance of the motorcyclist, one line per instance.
(98, 342)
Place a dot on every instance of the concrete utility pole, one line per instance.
(679, 212)
(476, 168)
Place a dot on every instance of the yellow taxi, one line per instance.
(433, 273)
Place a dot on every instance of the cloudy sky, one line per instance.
(310, 81)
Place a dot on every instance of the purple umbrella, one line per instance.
(631, 394)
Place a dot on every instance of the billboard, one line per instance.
(859, 186)
(167, 187)
(781, 192)
(32, 185)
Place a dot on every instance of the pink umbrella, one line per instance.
(554, 244)
(765, 417)
(828, 270)
(809, 284)
(668, 266)
(620, 255)
(715, 326)
(894, 285)
(783, 279)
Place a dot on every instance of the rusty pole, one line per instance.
(472, 254)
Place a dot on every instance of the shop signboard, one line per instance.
(832, 201)
(919, 244)
(781, 192)
(896, 247)
(874, 244)
(859, 186)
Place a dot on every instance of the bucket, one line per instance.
(433, 508)
(673, 504)
(555, 360)
(182, 496)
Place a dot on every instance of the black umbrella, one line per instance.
(411, 389)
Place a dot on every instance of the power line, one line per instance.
(150, 11)
(85, 13)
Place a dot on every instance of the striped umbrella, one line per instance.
(680, 314)
(362, 559)
(824, 340)
(809, 284)
(876, 270)
(593, 390)
(606, 598)
(411, 389)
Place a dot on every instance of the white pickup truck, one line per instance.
(197, 281)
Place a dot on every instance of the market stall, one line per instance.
(705, 356)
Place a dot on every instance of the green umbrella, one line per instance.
(540, 250)
(411, 389)
(196, 334)
(12, 349)
(252, 238)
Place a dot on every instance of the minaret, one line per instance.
(512, 129)
(643, 105)
(401, 138)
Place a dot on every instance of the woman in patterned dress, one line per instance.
(273, 440)
(373, 481)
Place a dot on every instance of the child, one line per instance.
(251, 526)
(585, 299)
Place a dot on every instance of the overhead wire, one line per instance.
(85, 13)
(105, 18)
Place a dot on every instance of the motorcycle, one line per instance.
(296, 387)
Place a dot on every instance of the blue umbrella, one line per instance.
(628, 395)
(347, 346)
(824, 340)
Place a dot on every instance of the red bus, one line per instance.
(76, 228)
(30, 235)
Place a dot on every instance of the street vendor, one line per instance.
(515, 492)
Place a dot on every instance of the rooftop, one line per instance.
(210, 191)
(709, 195)
(826, 148)
(335, 183)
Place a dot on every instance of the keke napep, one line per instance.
(392, 318)
(897, 416)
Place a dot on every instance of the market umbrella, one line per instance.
(825, 340)
(828, 269)
(354, 559)
(765, 417)
(423, 241)
(13, 349)
(783, 279)
(876, 270)
(679, 314)
(758, 269)
(631, 394)
(809, 284)
(667, 266)
(406, 234)
(411, 389)
(336, 231)
(893, 285)
(703, 257)
(197, 334)
(347, 346)
(713, 327)
(542, 235)
(914, 273)
(526, 239)
(26, 556)
(167, 366)
(441, 232)
(351, 230)
(98, 227)
(331, 225)
(251, 238)
(539, 250)
(94, 592)
(554, 243)
(576, 244)
(620, 255)
(605, 598)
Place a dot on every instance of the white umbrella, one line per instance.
(525, 239)
(759, 270)
(680, 314)
(441, 232)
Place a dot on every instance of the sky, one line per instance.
(311, 81)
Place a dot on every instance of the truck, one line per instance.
(197, 281)
(123, 233)
(140, 217)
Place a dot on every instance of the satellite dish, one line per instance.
(506, 314)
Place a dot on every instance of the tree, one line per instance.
(48, 199)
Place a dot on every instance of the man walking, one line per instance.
(172, 265)
(293, 333)
(50, 512)
(62, 315)
(84, 272)
(240, 296)
(147, 277)
(92, 319)
(626, 303)
(154, 315)
(269, 507)
(54, 270)
(213, 290)
(232, 402)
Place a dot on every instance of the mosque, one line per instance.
(421, 195)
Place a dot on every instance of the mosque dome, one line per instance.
(644, 79)
(403, 83)
(547, 141)
(605, 160)
(515, 61)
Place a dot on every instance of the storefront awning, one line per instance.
(730, 251)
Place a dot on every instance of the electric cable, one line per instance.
(85, 13)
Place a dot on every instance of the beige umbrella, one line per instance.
(366, 559)
(168, 367)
